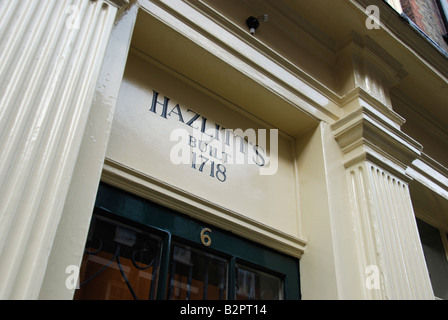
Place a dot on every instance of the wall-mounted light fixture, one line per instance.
(253, 23)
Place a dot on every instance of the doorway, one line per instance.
(137, 249)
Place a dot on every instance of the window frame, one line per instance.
(441, 235)
(176, 227)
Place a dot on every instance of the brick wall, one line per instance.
(426, 15)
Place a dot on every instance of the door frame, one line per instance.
(116, 203)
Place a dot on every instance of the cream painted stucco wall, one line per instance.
(140, 139)
(339, 157)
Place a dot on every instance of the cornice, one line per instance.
(431, 174)
(358, 97)
(292, 24)
(223, 43)
(421, 116)
(400, 29)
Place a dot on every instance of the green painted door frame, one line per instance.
(173, 226)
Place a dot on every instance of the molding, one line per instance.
(358, 97)
(398, 28)
(298, 29)
(431, 174)
(421, 116)
(184, 202)
(429, 191)
(364, 135)
(215, 33)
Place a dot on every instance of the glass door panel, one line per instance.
(252, 284)
(119, 263)
(196, 275)
(137, 249)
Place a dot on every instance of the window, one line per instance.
(443, 7)
(139, 250)
(435, 256)
(253, 284)
(120, 262)
(196, 275)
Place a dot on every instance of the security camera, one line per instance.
(253, 24)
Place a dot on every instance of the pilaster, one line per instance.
(376, 156)
(51, 53)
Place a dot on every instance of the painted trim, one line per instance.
(169, 196)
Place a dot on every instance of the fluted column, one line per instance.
(376, 155)
(50, 57)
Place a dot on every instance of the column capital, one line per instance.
(366, 134)
(362, 63)
(376, 156)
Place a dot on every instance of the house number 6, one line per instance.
(205, 238)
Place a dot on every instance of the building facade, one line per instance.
(223, 149)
